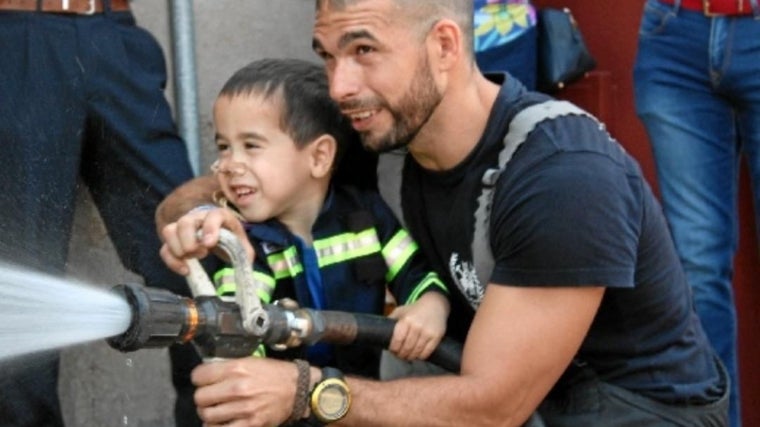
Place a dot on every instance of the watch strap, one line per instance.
(330, 372)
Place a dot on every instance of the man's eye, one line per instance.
(362, 50)
(323, 55)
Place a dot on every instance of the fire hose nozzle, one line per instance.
(161, 318)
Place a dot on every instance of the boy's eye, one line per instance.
(251, 145)
(222, 147)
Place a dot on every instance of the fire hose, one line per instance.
(230, 329)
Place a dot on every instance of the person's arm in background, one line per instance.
(196, 192)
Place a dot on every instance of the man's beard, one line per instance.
(409, 115)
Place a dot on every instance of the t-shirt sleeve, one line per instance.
(570, 219)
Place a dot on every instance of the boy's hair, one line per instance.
(300, 88)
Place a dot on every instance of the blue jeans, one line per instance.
(697, 90)
(83, 96)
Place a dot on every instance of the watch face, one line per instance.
(333, 400)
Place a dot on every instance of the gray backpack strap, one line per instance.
(522, 124)
(389, 170)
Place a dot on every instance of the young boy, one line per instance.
(325, 245)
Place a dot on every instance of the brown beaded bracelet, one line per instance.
(302, 391)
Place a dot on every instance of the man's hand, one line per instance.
(249, 391)
(196, 233)
(196, 192)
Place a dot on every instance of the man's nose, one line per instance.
(345, 80)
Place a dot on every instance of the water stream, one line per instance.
(39, 312)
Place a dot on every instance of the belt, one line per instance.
(717, 7)
(76, 7)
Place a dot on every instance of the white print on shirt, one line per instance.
(466, 280)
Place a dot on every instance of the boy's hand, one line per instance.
(181, 237)
(420, 326)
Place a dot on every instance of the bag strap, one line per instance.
(370, 269)
(521, 125)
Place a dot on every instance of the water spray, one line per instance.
(229, 329)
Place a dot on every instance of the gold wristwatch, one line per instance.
(330, 399)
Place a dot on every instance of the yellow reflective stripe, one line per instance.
(285, 264)
(264, 281)
(230, 288)
(224, 280)
(346, 246)
(431, 279)
(221, 275)
(264, 292)
(225, 289)
(261, 351)
(397, 252)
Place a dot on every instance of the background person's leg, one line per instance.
(41, 119)
(133, 157)
(691, 126)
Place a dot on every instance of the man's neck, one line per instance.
(457, 124)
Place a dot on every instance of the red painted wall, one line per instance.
(611, 30)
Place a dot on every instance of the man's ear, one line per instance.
(323, 150)
(447, 40)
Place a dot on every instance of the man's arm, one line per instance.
(196, 192)
(520, 342)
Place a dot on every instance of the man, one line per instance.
(585, 316)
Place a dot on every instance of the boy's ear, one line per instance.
(323, 151)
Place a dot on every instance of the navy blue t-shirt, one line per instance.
(570, 209)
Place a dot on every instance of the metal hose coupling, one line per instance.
(161, 318)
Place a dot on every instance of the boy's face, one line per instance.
(259, 167)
